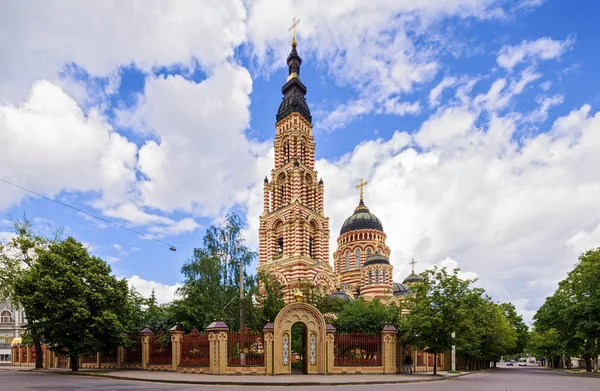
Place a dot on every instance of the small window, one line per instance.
(357, 257)
(280, 246)
(376, 276)
(368, 253)
(347, 260)
(310, 247)
(384, 277)
(370, 277)
(6, 317)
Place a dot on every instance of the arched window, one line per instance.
(302, 151)
(347, 260)
(376, 276)
(280, 246)
(370, 277)
(384, 277)
(310, 247)
(357, 258)
(368, 253)
(6, 317)
(286, 152)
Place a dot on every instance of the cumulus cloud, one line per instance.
(164, 293)
(541, 49)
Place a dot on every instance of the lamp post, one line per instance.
(453, 352)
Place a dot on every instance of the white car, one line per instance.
(523, 363)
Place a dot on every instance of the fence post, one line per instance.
(176, 336)
(388, 349)
(146, 335)
(268, 331)
(218, 347)
(329, 347)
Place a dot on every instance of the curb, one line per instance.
(259, 384)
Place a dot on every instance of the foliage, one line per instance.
(211, 287)
(270, 298)
(71, 299)
(367, 318)
(516, 322)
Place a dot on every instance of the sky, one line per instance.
(475, 122)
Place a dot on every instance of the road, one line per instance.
(504, 379)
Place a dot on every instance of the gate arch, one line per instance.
(282, 341)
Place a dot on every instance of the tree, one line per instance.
(367, 318)
(516, 322)
(270, 298)
(73, 302)
(437, 308)
(16, 256)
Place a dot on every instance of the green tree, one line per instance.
(16, 256)
(73, 302)
(270, 298)
(438, 306)
(516, 322)
(367, 318)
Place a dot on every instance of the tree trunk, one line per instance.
(495, 364)
(588, 363)
(74, 363)
(39, 354)
(434, 363)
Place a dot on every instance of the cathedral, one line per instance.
(294, 230)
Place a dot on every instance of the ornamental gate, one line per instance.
(314, 343)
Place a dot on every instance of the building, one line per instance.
(12, 325)
(294, 229)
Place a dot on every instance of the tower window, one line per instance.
(368, 252)
(302, 152)
(376, 276)
(347, 260)
(357, 257)
(310, 247)
(384, 277)
(370, 277)
(282, 195)
(280, 246)
(286, 152)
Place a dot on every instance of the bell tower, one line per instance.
(293, 231)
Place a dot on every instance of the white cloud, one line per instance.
(164, 293)
(541, 49)
(545, 103)
(436, 92)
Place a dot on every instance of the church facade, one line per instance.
(294, 230)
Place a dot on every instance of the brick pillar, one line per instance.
(329, 348)
(146, 335)
(268, 346)
(176, 337)
(218, 347)
(120, 356)
(98, 359)
(388, 349)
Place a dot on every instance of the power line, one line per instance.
(171, 247)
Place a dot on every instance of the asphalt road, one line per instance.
(504, 379)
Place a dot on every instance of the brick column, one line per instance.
(176, 337)
(329, 348)
(388, 349)
(217, 338)
(268, 331)
(146, 335)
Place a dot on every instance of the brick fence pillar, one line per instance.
(217, 337)
(268, 331)
(176, 337)
(146, 336)
(329, 347)
(388, 349)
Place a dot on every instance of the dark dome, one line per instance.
(361, 219)
(294, 101)
(412, 278)
(400, 289)
(341, 295)
(376, 259)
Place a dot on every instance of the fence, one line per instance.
(133, 355)
(160, 352)
(89, 359)
(357, 350)
(109, 357)
(195, 350)
(245, 349)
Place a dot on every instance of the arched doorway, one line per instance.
(313, 324)
(299, 353)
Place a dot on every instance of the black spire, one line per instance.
(294, 90)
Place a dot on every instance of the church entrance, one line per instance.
(299, 340)
(299, 344)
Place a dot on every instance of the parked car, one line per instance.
(523, 362)
(510, 363)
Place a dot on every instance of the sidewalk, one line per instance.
(255, 380)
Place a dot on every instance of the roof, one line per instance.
(400, 289)
(362, 218)
(341, 295)
(412, 278)
(293, 91)
(376, 259)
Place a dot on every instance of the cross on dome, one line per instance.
(361, 184)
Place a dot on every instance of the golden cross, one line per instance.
(362, 183)
(413, 265)
(293, 29)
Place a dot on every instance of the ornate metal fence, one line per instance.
(32, 354)
(62, 362)
(89, 359)
(245, 349)
(133, 355)
(109, 357)
(357, 350)
(160, 353)
(195, 350)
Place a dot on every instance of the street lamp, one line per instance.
(453, 352)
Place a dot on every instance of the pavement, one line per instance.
(253, 380)
(501, 379)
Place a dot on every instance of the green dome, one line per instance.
(361, 219)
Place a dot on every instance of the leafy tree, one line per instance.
(16, 256)
(270, 298)
(73, 302)
(438, 306)
(494, 333)
(516, 322)
(368, 318)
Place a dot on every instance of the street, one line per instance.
(502, 379)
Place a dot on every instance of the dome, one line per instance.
(361, 219)
(294, 102)
(400, 289)
(376, 259)
(412, 278)
(340, 295)
(16, 341)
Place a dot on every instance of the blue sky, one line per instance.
(473, 120)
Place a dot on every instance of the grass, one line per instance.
(454, 372)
